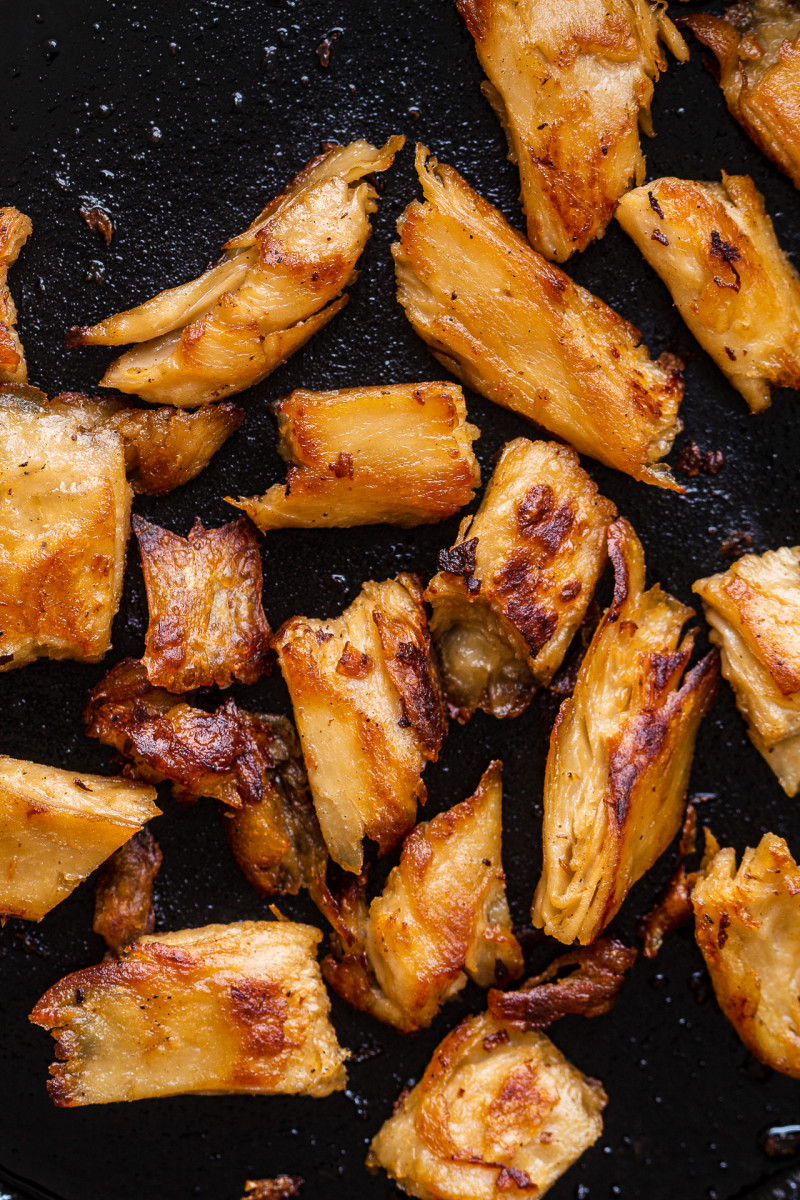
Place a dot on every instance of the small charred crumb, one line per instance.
(324, 48)
(282, 1187)
(401, 1099)
(99, 221)
(355, 664)
(24, 940)
(656, 207)
(460, 559)
(700, 986)
(590, 990)
(658, 236)
(728, 254)
(781, 1140)
(96, 273)
(735, 544)
(343, 467)
(511, 1177)
(691, 460)
(495, 1039)
(730, 354)
(365, 1051)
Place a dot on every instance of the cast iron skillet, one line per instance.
(182, 119)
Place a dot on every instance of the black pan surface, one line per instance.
(182, 119)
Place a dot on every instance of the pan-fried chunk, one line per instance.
(518, 330)
(282, 1187)
(15, 229)
(747, 924)
(273, 287)
(757, 46)
(620, 752)
(369, 713)
(753, 609)
(499, 1113)
(164, 447)
(590, 990)
(512, 591)
(56, 827)
(572, 83)
(226, 1008)
(360, 456)
(715, 248)
(64, 524)
(443, 916)
(207, 624)
(250, 762)
(123, 905)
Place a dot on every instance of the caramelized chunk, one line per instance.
(505, 613)
(572, 83)
(123, 907)
(15, 229)
(590, 990)
(64, 530)
(517, 329)
(498, 1113)
(748, 928)
(443, 916)
(282, 1187)
(360, 456)
(273, 287)
(734, 286)
(620, 752)
(757, 47)
(753, 609)
(164, 447)
(369, 713)
(56, 827)
(207, 625)
(226, 1008)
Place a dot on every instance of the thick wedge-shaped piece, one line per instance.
(64, 524)
(443, 916)
(572, 83)
(15, 229)
(369, 713)
(207, 623)
(225, 1008)
(498, 1113)
(753, 609)
(747, 924)
(514, 588)
(275, 285)
(757, 46)
(620, 752)
(363, 456)
(123, 904)
(164, 447)
(517, 329)
(248, 761)
(716, 250)
(56, 827)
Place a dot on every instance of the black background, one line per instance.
(183, 119)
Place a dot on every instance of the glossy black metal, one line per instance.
(182, 119)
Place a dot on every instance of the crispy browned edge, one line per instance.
(590, 990)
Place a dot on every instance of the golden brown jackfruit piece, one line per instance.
(123, 904)
(64, 524)
(498, 1114)
(360, 456)
(164, 447)
(368, 711)
(513, 590)
(757, 46)
(226, 1008)
(15, 229)
(442, 916)
(275, 285)
(753, 609)
(620, 752)
(207, 623)
(515, 328)
(716, 250)
(572, 84)
(56, 827)
(747, 924)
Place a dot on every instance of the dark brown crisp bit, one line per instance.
(460, 559)
(691, 460)
(282, 1187)
(99, 221)
(735, 544)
